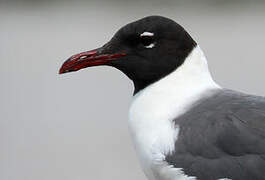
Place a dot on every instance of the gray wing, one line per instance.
(223, 136)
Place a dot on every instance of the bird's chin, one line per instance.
(87, 59)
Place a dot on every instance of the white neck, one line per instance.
(183, 86)
(153, 108)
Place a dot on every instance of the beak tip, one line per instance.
(61, 71)
(64, 70)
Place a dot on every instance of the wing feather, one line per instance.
(222, 136)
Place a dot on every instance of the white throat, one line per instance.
(153, 109)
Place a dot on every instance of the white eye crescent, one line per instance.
(147, 34)
(150, 46)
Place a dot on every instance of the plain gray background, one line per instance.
(74, 126)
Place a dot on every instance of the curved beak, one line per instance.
(87, 59)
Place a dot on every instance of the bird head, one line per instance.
(145, 50)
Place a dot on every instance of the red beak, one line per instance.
(87, 59)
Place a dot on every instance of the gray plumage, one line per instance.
(222, 136)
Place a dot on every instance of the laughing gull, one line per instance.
(184, 126)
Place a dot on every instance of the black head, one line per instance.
(145, 50)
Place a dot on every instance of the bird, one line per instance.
(184, 126)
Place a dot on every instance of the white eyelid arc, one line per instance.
(147, 34)
(150, 46)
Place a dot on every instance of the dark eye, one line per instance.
(147, 40)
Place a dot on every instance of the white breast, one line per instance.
(153, 109)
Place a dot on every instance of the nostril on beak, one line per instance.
(83, 57)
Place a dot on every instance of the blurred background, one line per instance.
(74, 126)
